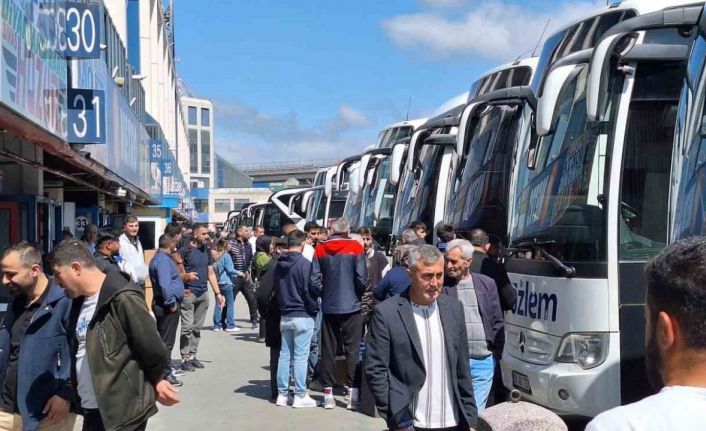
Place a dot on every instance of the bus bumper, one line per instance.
(566, 388)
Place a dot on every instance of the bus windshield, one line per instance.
(416, 196)
(380, 198)
(479, 196)
(558, 201)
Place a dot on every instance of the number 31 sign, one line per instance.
(86, 116)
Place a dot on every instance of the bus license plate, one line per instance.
(521, 382)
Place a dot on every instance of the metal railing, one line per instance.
(285, 166)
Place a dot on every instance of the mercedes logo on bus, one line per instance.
(521, 341)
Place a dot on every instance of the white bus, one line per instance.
(435, 185)
(377, 193)
(491, 126)
(590, 186)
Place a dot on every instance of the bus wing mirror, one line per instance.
(546, 106)
(411, 152)
(533, 151)
(353, 180)
(463, 126)
(328, 183)
(398, 152)
(363, 169)
(599, 74)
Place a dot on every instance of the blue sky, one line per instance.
(318, 79)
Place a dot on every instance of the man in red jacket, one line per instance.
(340, 271)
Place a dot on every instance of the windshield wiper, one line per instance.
(565, 270)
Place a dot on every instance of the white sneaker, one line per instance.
(235, 329)
(217, 329)
(354, 399)
(329, 402)
(304, 401)
(282, 400)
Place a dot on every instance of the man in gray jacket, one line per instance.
(483, 316)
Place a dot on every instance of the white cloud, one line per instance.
(491, 29)
(353, 117)
(244, 134)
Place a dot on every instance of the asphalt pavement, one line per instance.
(232, 392)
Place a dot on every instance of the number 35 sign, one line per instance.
(86, 116)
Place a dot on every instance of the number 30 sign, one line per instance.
(86, 116)
(81, 38)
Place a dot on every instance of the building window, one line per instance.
(201, 205)
(205, 117)
(193, 116)
(193, 151)
(238, 203)
(194, 185)
(205, 152)
(222, 205)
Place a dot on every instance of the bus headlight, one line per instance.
(587, 350)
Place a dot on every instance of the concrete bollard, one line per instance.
(519, 415)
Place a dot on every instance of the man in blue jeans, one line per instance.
(484, 318)
(298, 309)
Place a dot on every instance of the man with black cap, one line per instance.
(107, 249)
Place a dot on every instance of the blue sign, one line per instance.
(86, 119)
(82, 31)
(167, 168)
(156, 150)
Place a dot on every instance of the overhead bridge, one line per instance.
(277, 173)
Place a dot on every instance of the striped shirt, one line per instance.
(433, 407)
(241, 253)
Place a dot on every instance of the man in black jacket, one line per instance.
(113, 332)
(340, 276)
(416, 358)
(107, 248)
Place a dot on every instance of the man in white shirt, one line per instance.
(416, 358)
(131, 254)
(675, 339)
(257, 232)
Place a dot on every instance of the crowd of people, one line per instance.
(422, 337)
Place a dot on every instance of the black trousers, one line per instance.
(274, 361)
(246, 286)
(167, 324)
(351, 327)
(92, 421)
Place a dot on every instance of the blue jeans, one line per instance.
(296, 338)
(315, 342)
(227, 291)
(482, 375)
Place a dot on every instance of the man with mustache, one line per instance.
(35, 359)
(416, 359)
(675, 340)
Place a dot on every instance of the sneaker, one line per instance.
(197, 364)
(254, 325)
(304, 401)
(234, 329)
(173, 381)
(177, 372)
(217, 329)
(353, 399)
(186, 365)
(329, 401)
(282, 400)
